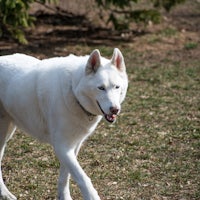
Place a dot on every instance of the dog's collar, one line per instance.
(89, 114)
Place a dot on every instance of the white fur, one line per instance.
(60, 101)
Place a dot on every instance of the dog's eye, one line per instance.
(117, 86)
(101, 88)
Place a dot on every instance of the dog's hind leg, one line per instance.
(7, 129)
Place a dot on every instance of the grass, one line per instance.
(151, 152)
(191, 45)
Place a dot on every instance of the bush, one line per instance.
(122, 13)
(14, 16)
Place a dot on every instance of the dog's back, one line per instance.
(11, 66)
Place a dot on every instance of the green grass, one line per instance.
(151, 152)
(191, 45)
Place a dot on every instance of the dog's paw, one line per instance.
(7, 196)
(65, 197)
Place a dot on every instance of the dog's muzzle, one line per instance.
(112, 116)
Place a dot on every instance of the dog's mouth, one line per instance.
(109, 117)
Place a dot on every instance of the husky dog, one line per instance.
(60, 101)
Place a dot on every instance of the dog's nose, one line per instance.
(114, 110)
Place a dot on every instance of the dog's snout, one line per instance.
(114, 110)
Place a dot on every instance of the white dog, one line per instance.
(60, 101)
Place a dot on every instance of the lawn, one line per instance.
(152, 151)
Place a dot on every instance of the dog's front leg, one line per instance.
(68, 158)
(63, 184)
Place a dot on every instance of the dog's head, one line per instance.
(104, 85)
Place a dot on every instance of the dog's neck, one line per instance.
(89, 114)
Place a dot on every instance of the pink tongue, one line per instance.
(111, 117)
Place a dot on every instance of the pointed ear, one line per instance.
(94, 62)
(118, 60)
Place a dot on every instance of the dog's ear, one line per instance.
(94, 62)
(118, 60)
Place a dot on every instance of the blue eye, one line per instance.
(101, 88)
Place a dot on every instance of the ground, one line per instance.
(152, 151)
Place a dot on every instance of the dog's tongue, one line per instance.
(111, 118)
